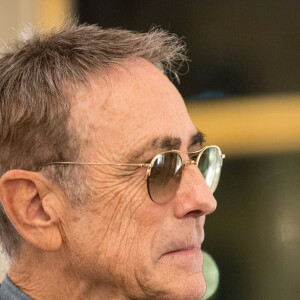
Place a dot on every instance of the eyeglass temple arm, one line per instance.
(141, 165)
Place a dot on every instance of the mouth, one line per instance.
(184, 251)
(186, 260)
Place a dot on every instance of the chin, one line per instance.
(185, 280)
(177, 276)
(191, 288)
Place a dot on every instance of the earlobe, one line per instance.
(31, 207)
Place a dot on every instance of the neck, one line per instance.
(49, 275)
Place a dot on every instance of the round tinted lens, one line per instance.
(210, 164)
(165, 177)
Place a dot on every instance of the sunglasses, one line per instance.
(164, 172)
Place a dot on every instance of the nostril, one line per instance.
(196, 213)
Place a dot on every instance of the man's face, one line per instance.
(120, 240)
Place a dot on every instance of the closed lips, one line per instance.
(184, 249)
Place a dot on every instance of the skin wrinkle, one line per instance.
(124, 234)
(121, 218)
(111, 185)
(129, 205)
(143, 283)
(33, 286)
(123, 213)
(129, 244)
(114, 217)
(136, 275)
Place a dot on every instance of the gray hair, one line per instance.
(35, 125)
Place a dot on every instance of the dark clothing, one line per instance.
(9, 291)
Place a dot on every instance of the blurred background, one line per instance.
(242, 90)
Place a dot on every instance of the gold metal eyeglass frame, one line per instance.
(149, 165)
(144, 165)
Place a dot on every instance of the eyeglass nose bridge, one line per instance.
(189, 161)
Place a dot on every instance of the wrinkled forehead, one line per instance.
(129, 104)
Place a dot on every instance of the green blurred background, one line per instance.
(243, 91)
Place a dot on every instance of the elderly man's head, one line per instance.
(88, 205)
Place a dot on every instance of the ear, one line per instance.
(31, 203)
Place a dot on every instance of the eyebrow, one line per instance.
(197, 139)
(165, 143)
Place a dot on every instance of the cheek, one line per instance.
(111, 232)
(131, 249)
(129, 233)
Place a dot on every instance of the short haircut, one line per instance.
(35, 125)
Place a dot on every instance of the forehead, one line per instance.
(128, 106)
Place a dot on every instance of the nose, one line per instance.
(193, 197)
